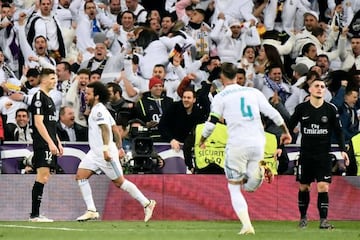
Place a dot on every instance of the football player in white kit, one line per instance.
(241, 108)
(103, 155)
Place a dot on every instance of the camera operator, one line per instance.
(140, 154)
(25, 165)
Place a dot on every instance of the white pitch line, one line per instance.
(50, 228)
(157, 230)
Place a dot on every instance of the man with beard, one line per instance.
(120, 109)
(181, 119)
(103, 155)
(75, 97)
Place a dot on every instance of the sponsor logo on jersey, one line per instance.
(315, 130)
(324, 119)
(38, 103)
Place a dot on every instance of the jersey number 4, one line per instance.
(245, 109)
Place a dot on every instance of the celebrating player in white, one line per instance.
(103, 155)
(241, 108)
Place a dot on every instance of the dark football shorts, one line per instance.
(314, 167)
(44, 158)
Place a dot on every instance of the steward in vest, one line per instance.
(270, 150)
(212, 158)
(354, 154)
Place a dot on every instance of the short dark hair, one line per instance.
(46, 72)
(32, 72)
(62, 110)
(84, 71)
(317, 31)
(323, 56)
(40, 36)
(21, 110)
(241, 71)
(100, 90)
(190, 89)
(306, 47)
(5, 5)
(67, 65)
(136, 120)
(120, 16)
(251, 47)
(116, 87)
(171, 15)
(160, 65)
(96, 71)
(316, 79)
(272, 66)
(86, 3)
(201, 11)
(312, 74)
(229, 70)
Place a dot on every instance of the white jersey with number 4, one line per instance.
(241, 107)
(99, 115)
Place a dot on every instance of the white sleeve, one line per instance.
(208, 129)
(83, 36)
(252, 37)
(216, 34)
(24, 45)
(217, 107)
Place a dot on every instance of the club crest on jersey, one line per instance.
(99, 116)
(38, 103)
(324, 119)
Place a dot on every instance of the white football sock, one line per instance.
(133, 190)
(239, 204)
(255, 180)
(86, 193)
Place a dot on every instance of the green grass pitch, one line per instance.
(170, 230)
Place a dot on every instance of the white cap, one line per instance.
(312, 13)
(234, 22)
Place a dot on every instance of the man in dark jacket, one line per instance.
(177, 124)
(152, 106)
(67, 129)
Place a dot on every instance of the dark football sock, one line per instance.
(323, 204)
(37, 193)
(303, 202)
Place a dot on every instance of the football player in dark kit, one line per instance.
(46, 145)
(318, 120)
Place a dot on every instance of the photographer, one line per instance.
(25, 164)
(140, 154)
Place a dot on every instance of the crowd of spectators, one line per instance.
(153, 53)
